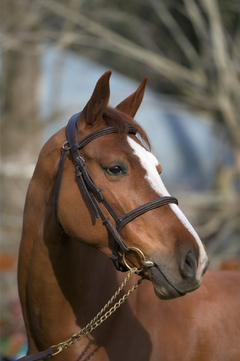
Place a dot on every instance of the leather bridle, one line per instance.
(93, 194)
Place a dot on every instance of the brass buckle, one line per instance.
(59, 349)
(145, 262)
(64, 146)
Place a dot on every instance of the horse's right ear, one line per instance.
(131, 104)
(99, 100)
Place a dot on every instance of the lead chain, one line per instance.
(101, 316)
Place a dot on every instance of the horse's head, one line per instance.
(128, 175)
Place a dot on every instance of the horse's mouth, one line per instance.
(162, 287)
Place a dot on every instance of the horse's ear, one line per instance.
(99, 99)
(131, 104)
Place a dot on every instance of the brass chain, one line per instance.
(101, 316)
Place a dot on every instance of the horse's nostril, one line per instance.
(188, 267)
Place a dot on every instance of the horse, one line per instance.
(96, 196)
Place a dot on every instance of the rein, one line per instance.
(96, 321)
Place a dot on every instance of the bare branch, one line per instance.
(161, 64)
(197, 19)
(176, 31)
(137, 26)
(227, 75)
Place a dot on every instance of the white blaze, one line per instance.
(149, 162)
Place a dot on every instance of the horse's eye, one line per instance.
(115, 170)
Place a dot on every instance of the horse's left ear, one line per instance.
(131, 104)
(99, 100)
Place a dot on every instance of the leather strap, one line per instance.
(38, 356)
(156, 203)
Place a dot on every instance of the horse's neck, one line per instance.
(78, 266)
(67, 283)
(58, 275)
(64, 281)
(79, 273)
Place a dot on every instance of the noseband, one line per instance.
(93, 194)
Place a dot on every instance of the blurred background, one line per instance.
(52, 54)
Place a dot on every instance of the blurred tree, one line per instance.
(19, 74)
(187, 48)
(20, 64)
(20, 125)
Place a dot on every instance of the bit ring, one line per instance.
(139, 252)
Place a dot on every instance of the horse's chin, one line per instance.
(164, 294)
(162, 288)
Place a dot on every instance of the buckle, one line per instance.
(145, 262)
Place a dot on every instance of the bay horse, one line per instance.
(96, 194)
